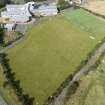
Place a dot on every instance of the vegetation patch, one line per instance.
(52, 51)
(86, 21)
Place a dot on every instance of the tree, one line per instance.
(4, 2)
(62, 4)
(1, 36)
(15, 84)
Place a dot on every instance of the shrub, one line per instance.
(62, 4)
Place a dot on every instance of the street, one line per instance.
(2, 102)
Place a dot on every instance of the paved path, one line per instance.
(2, 102)
(91, 62)
(21, 28)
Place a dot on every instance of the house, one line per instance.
(12, 7)
(46, 10)
(19, 14)
(9, 27)
(16, 16)
(79, 1)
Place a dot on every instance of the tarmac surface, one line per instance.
(2, 102)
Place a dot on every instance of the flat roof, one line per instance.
(16, 16)
(48, 7)
(12, 13)
(14, 6)
(15, 13)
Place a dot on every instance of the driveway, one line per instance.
(21, 28)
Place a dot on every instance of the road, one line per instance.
(83, 70)
(2, 102)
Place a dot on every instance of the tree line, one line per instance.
(11, 81)
(4, 2)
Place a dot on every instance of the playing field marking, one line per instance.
(91, 37)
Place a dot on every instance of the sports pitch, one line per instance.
(53, 50)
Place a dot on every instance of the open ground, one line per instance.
(97, 6)
(53, 50)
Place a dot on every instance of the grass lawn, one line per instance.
(53, 50)
(86, 21)
(91, 90)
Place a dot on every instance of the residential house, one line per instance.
(23, 13)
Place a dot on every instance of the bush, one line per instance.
(25, 99)
(4, 2)
(62, 4)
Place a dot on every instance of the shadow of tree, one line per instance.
(71, 90)
(2, 36)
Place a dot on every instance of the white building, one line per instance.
(46, 10)
(9, 27)
(12, 7)
(18, 14)
(23, 13)
(79, 1)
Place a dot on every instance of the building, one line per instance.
(46, 10)
(12, 7)
(16, 16)
(19, 14)
(9, 27)
(79, 1)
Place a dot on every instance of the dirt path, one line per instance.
(90, 63)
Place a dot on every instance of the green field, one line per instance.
(86, 21)
(91, 90)
(53, 50)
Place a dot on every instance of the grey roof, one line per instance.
(6, 13)
(47, 7)
(14, 6)
(15, 13)
(17, 17)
